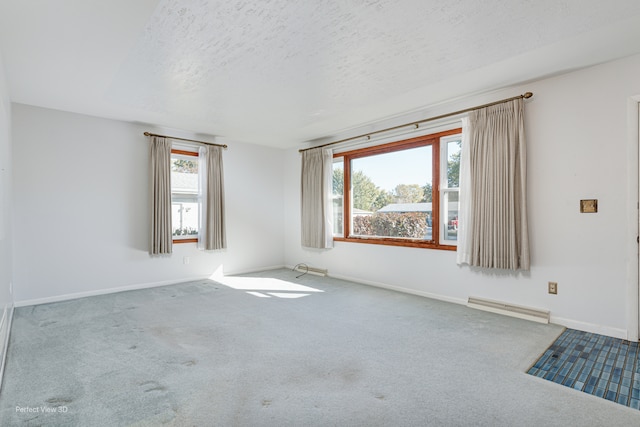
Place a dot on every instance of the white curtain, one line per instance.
(316, 202)
(160, 167)
(211, 234)
(493, 176)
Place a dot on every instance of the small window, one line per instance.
(185, 196)
(338, 195)
(450, 188)
(404, 193)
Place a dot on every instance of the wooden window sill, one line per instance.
(397, 242)
(185, 241)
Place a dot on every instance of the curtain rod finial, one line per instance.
(527, 95)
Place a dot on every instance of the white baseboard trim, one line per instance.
(253, 270)
(66, 297)
(8, 316)
(590, 327)
(5, 333)
(401, 289)
(569, 323)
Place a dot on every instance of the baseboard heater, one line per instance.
(303, 268)
(528, 313)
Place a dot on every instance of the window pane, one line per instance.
(338, 196)
(450, 210)
(392, 194)
(184, 174)
(184, 217)
(453, 162)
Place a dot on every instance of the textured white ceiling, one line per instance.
(281, 72)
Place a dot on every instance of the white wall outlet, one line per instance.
(553, 288)
(186, 260)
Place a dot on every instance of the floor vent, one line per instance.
(304, 268)
(528, 313)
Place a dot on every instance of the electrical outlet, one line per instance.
(186, 260)
(553, 288)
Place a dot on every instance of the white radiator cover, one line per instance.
(528, 313)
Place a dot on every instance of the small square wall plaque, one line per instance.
(589, 206)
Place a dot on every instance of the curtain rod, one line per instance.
(184, 139)
(526, 95)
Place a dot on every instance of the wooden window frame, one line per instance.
(432, 140)
(192, 154)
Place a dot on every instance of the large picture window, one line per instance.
(402, 193)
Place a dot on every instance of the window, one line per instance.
(450, 188)
(338, 195)
(403, 193)
(185, 196)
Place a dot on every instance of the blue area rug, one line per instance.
(596, 364)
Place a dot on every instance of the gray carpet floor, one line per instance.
(272, 350)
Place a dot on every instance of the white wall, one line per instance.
(578, 147)
(81, 208)
(6, 268)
